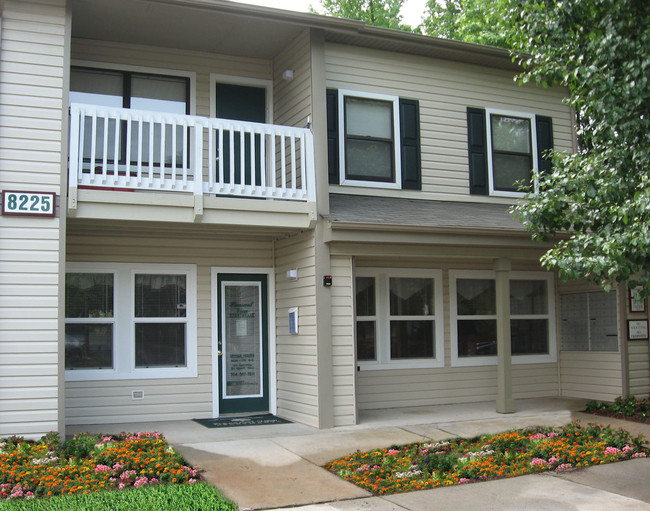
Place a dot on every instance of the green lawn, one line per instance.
(190, 497)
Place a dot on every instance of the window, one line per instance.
(373, 140)
(399, 319)
(474, 317)
(368, 144)
(138, 91)
(512, 153)
(504, 148)
(588, 322)
(130, 321)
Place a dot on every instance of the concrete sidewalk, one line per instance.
(279, 466)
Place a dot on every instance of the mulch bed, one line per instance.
(614, 415)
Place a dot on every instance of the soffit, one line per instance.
(237, 29)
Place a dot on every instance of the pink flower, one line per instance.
(143, 481)
(538, 462)
(463, 480)
(564, 466)
(537, 436)
(553, 459)
(393, 451)
(639, 455)
(102, 468)
(190, 481)
(627, 449)
(612, 451)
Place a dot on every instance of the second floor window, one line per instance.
(137, 91)
(512, 152)
(373, 140)
(369, 141)
(504, 149)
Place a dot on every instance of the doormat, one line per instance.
(248, 420)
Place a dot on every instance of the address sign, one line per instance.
(28, 203)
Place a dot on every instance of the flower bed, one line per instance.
(87, 463)
(431, 464)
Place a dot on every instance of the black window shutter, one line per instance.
(477, 144)
(409, 116)
(544, 126)
(332, 136)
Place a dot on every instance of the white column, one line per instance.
(505, 403)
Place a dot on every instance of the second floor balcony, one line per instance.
(209, 161)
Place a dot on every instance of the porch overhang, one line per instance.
(278, 217)
(354, 221)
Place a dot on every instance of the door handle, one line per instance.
(219, 353)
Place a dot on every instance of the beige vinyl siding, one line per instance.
(292, 99)
(639, 368)
(201, 63)
(296, 355)
(343, 351)
(444, 89)
(591, 375)
(97, 402)
(426, 387)
(434, 386)
(32, 67)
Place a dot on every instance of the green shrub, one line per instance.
(81, 445)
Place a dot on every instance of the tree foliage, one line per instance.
(595, 205)
(472, 21)
(380, 13)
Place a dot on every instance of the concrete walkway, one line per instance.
(279, 466)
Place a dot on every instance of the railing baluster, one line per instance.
(220, 158)
(283, 164)
(293, 165)
(263, 136)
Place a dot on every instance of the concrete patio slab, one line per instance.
(629, 478)
(468, 429)
(321, 448)
(259, 474)
(538, 492)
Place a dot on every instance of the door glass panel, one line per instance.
(242, 349)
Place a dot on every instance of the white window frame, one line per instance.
(397, 184)
(124, 321)
(172, 73)
(533, 147)
(550, 357)
(382, 319)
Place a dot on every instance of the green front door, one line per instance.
(242, 346)
(241, 103)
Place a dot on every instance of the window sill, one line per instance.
(493, 361)
(402, 364)
(136, 374)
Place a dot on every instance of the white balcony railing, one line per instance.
(118, 148)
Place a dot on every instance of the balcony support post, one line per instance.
(197, 173)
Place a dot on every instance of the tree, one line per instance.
(472, 21)
(595, 203)
(380, 13)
